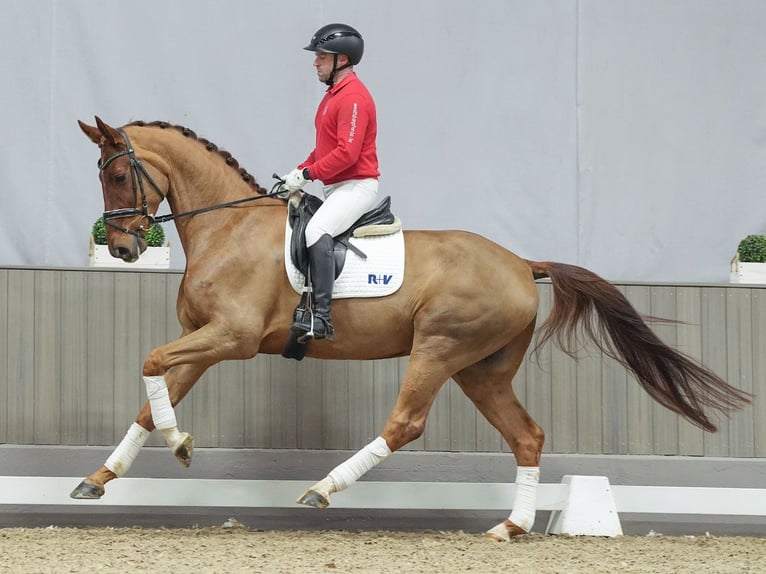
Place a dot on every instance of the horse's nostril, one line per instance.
(123, 252)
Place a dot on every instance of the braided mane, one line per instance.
(210, 146)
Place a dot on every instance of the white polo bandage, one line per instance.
(347, 473)
(523, 513)
(126, 452)
(163, 415)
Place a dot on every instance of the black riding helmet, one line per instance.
(338, 39)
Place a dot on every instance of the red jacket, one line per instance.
(346, 128)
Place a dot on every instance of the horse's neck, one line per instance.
(200, 179)
(198, 182)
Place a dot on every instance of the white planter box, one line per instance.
(152, 258)
(740, 272)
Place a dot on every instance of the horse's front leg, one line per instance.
(170, 371)
(162, 416)
(180, 381)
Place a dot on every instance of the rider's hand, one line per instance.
(294, 180)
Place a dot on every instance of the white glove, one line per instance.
(294, 180)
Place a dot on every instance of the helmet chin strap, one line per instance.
(331, 78)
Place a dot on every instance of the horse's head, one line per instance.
(133, 189)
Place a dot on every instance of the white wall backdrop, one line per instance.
(625, 136)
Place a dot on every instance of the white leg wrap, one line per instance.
(122, 458)
(347, 473)
(523, 513)
(163, 415)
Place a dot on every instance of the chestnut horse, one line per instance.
(466, 310)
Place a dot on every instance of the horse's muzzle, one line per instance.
(129, 249)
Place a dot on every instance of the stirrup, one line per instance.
(305, 330)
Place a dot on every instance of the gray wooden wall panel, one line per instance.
(231, 403)
(20, 358)
(128, 349)
(74, 343)
(740, 367)
(309, 415)
(4, 347)
(335, 403)
(47, 387)
(361, 403)
(714, 356)
(72, 370)
(759, 372)
(588, 403)
(102, 308)
(563, 430)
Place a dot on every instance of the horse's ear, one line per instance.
(110, 134)
(92, 132)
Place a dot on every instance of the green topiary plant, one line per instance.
(99, 232)
(752, 249)
(155, 237)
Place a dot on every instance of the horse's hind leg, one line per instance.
(180, 381)
(425, 375)
(488, 385)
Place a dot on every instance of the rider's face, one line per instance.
(323, 64)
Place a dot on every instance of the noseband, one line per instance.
(137, 174)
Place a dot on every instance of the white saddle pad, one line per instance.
(378, 275)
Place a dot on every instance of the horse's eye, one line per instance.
(121, 178)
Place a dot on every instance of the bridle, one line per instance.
(138, 173)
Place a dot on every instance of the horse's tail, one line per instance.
(585, 303)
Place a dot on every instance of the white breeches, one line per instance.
(344, 203)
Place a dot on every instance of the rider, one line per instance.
(344, 159)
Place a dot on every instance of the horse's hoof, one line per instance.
(185, 449)
(87, 491)
(504, 531)
(313, 498)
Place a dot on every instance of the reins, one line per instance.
(138, 172)
(275, 192)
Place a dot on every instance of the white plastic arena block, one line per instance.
(589, 509)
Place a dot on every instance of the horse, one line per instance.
(466, 310)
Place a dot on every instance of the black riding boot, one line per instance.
(322, 270)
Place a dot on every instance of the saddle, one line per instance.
(378, 221)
